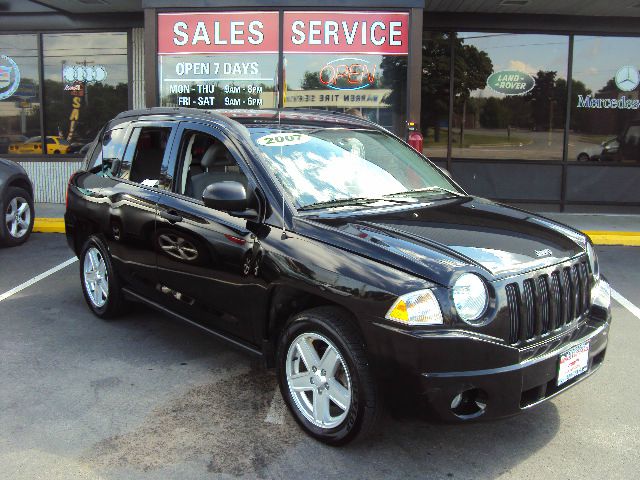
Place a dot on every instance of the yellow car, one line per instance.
(33, 146)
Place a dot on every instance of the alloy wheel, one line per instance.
(318, 380)
(96, 278)
(17, 217)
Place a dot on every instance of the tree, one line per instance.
(471, 69)
(311, 81)
(435, 81)
(579, 118)
(495, 114)
(547, 100)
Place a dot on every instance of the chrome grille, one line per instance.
(545, 302)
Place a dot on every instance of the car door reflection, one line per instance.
(208, 264)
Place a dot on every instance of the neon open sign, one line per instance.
(347, 74)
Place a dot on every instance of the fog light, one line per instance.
(469, 404)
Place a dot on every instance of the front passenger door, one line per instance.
(207, 258)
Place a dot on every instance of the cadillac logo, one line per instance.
(627, 78)
(9, 77)
(544, 253)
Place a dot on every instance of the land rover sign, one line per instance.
(511, 82)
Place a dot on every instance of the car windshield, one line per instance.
(320, 167)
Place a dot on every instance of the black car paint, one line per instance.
(12, 174)
(250, 275)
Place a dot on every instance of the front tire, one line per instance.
(325, 377)
(99, 280)
(17, 217)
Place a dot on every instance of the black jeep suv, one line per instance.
(328, 247)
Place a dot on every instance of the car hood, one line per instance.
(441, 237)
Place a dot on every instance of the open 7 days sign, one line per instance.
(384, 33)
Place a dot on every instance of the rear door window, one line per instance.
(143, 156)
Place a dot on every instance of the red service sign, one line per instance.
(217, 32)
(385, 33)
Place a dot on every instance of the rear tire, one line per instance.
(99, 280)
(16, 222)
(325, 377)
(583, 157)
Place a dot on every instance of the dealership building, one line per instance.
(531, 102)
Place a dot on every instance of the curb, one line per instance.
(48, 225)
(599, 237)
(629, 239)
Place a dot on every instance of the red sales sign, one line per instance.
(385, 33)
(217, 32)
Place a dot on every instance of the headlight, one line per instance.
(593, 261)
(470, 297)
(416, 308)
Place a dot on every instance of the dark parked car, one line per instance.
(328, 247)
(16, 202)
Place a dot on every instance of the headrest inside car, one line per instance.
(210, 156)
(217, 155)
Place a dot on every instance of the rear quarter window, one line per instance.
(113, 143)
(112, 146)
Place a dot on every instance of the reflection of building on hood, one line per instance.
(353, 146)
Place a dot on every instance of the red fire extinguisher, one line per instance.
(415, 138)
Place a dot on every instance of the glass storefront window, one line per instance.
(19, 95)
(605, 104)
(434, 111)
(371, 86)
(85, 85)
(218, 81)
(218, 60)
(510, 96)
(354, 62)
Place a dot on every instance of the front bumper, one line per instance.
(504, 381)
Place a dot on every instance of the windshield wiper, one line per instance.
(345, 202)
(425, 190)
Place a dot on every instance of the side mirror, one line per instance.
(230, 197)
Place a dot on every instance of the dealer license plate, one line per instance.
(573, 362)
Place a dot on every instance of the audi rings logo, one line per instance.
(84, 73)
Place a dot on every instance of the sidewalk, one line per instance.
(604, 229)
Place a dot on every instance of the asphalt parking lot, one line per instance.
(145, 397)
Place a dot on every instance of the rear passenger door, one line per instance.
(126, 204)
(206, 258)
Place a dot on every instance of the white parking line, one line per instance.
(37, 278)
(625, 303)
(276, 409)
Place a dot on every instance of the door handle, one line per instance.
(171, 216)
